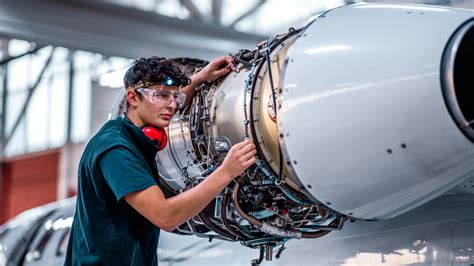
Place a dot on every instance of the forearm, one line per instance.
(186, 205)
(172, 212)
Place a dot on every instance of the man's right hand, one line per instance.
(240, 157)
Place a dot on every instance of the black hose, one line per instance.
(212, 226)
(205, 219)
(270, 78)
(225, 222)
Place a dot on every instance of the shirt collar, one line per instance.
(144, 144)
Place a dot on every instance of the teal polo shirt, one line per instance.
(118, 160)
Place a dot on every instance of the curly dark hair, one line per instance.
(154, 70)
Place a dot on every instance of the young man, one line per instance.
(120, 208)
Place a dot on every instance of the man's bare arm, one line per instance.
(172, 212)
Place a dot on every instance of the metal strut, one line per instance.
(260, 258)
(248, 83)
(31, 90)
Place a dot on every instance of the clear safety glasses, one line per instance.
(163, 96)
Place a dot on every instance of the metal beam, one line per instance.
(4, 99)
(114, 30)
(217, 11)
(248, 13)
(70, 95)
(193, 10)
(31, 90)
(7, 58)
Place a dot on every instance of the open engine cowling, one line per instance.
(355, 116)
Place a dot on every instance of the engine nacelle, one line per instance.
(365, 124)
(365, 113)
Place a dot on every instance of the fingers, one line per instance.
(227, 60)
(246, 153)
(244, 150)
(248, 156)
(222, 65)
(217, 67)
(249, 162)
(248, 147)
(223, 71)
(243, 144)
(240, 157)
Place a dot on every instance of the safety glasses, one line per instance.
(163, 96)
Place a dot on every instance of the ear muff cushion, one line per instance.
(157, 135)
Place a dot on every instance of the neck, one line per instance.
(135, 119)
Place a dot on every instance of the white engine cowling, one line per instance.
(366, 128)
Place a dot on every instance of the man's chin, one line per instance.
(163, 123)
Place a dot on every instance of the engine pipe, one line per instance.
(225, 222)
(275, 231)
(211, 225)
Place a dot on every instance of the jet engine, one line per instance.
(365, 113)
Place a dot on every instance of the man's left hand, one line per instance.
(218, 67)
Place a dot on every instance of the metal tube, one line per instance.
(205, 219)
(225, 222)
(321, 233)
(263, 226)
(268, 252)
(235, 201)
(272, 230)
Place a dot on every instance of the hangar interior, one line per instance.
(62, 63)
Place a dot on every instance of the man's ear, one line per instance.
(132, 98)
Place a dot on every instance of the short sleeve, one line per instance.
(124, 172)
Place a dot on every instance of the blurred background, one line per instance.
(62, 63)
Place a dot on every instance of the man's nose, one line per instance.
(172, 104)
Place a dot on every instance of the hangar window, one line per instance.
(48, 95)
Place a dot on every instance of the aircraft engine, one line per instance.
(365, 113)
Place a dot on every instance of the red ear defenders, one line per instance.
(157, 135)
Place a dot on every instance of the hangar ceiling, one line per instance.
(117, 30)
